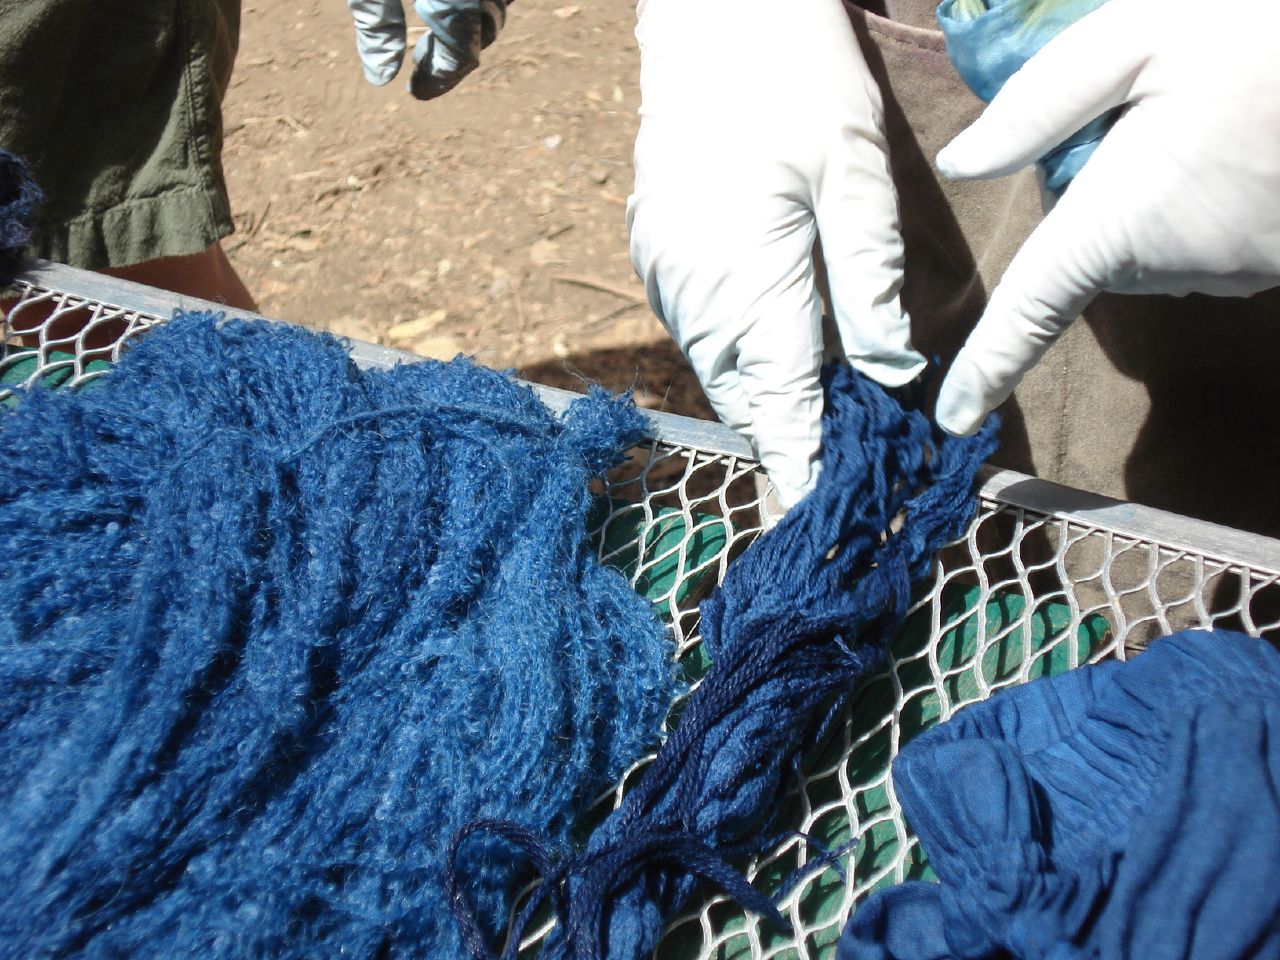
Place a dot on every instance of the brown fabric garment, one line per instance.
(1170, 402)
(116, 106)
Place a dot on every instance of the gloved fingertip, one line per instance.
(382, 74)
(771, 509)
(960, 425)
(791, 482)
(891, 369)
(962, 401)
(953, 160)
(949, 161)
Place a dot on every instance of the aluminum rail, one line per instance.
(1000, 486)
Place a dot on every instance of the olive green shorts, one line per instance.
(116, 106)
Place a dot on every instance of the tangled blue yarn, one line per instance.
(803, 614)
(19, 198)
(274, 628)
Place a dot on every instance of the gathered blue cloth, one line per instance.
(19, 199)
(989, 40)
(801, 616)
(275, 627)
(1125, 810)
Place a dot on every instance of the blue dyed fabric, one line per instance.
(1117, 811)
(989, 40)
(19, 198)
(274, 628)
(801, 616)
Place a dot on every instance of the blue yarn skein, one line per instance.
(19, 198)
(801, 616)
(275, 628)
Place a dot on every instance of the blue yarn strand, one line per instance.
(801, 616)
(19, 200)
(275, 628)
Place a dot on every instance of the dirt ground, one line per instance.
(489, 222)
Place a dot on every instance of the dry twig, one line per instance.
(595, 283)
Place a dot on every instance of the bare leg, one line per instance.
(207, 275)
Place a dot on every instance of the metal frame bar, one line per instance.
(1000, 486)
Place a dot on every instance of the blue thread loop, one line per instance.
(801, 616)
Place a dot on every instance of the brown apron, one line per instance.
(1166, 401)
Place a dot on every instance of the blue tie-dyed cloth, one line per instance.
(989, 40)
(1126, 811)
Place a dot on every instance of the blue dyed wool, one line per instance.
(801, 616)
(274, 628)
(19, 198)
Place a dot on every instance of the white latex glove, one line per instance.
(761, 127)
(457, 30)
(1182, 195)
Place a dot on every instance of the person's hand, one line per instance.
(761, 128)
(457, 30)
(1182, 195)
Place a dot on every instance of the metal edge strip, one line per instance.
(1127, 519)
(1001, 486)
(137, 298)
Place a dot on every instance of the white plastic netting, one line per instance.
(1045, 579)
(1027, 592)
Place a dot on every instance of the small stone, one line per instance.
(438, 348)
(412, 329)
(501, 285)
(544, 252)
(353, 328)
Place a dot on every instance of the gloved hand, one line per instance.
(1182, 195)
(457, 30)
(760, 128)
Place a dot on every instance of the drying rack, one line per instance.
(1046, 578)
